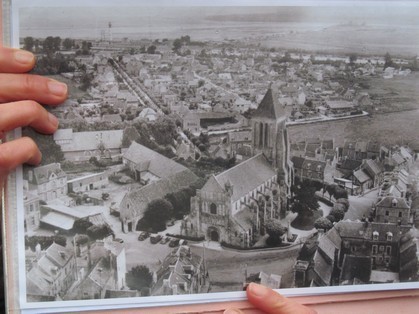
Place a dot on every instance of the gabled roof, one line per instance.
(373, 167)
(135, 202)
(393, 202)
(244, 177)
(361, 176)
(151, 161)
(270, 107)
(373, 147)
(350, 164)
(42, 174)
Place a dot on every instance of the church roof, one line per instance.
(269, 107)
(244, 177)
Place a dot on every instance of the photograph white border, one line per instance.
(154, 301)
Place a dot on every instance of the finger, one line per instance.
(26, 113)
(46, 91)
(17, 152)
(15, 60)
(233, 311)
(271, 302)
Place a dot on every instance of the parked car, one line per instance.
(183, 242)
(174, 242)
(143, 235)
(155, 238)
(165, 240)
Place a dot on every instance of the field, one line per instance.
(396, 94)
(344, 39)
(388, 129)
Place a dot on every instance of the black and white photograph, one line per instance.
(206, 146)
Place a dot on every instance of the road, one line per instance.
(360, 206)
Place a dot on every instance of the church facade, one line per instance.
(232, 206)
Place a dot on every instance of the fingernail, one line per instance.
(53, 119)
(232, 311)
(24, 57)
(57, 88)
(258, 290)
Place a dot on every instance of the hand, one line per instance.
(20, 97)
(270, 302)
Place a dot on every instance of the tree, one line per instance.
(304, 198)
(388, 61)
(344, 202)
(28, 43)
(44, 241)
(177, 44)
(157, 213)
(98, 232)
(275, 230)
(323, 223)
(139, 277)
(68, 43)
(51, 151)
(352, 58)
(151, 50)
(340, 193)
(81, 225)
(338, 213)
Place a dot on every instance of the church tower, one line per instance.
(269, 136)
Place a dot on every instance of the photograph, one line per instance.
(206, 146)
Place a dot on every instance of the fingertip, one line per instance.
(24, 58)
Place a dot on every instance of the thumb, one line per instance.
(271, 302)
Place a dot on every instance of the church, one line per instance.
(232, 206)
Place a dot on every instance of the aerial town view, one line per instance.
(201, 150)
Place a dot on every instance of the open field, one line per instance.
(396, 94)
(343, 39)
(392, 128)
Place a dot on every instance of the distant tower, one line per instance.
(110, 31)
(270, 136)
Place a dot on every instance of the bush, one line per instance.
(44, 241)
(323, 223)
(338, 213)
(189, 238)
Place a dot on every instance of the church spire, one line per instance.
(269, 107)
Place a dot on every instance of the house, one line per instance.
(104, 270)
(192, 123)
(391, 209)
(348, 166)
(32, 211)
(148, 114)
(81, 146)
(63, 217)
(226, 209)
(363, 180)
(338, 108)
(159, 175)
(374, 170)
(49, 181)
(272, 281)
(53, 272)
(88, 182)
(353, 252)
(309, 169)
(240, 142)
(181, 272)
